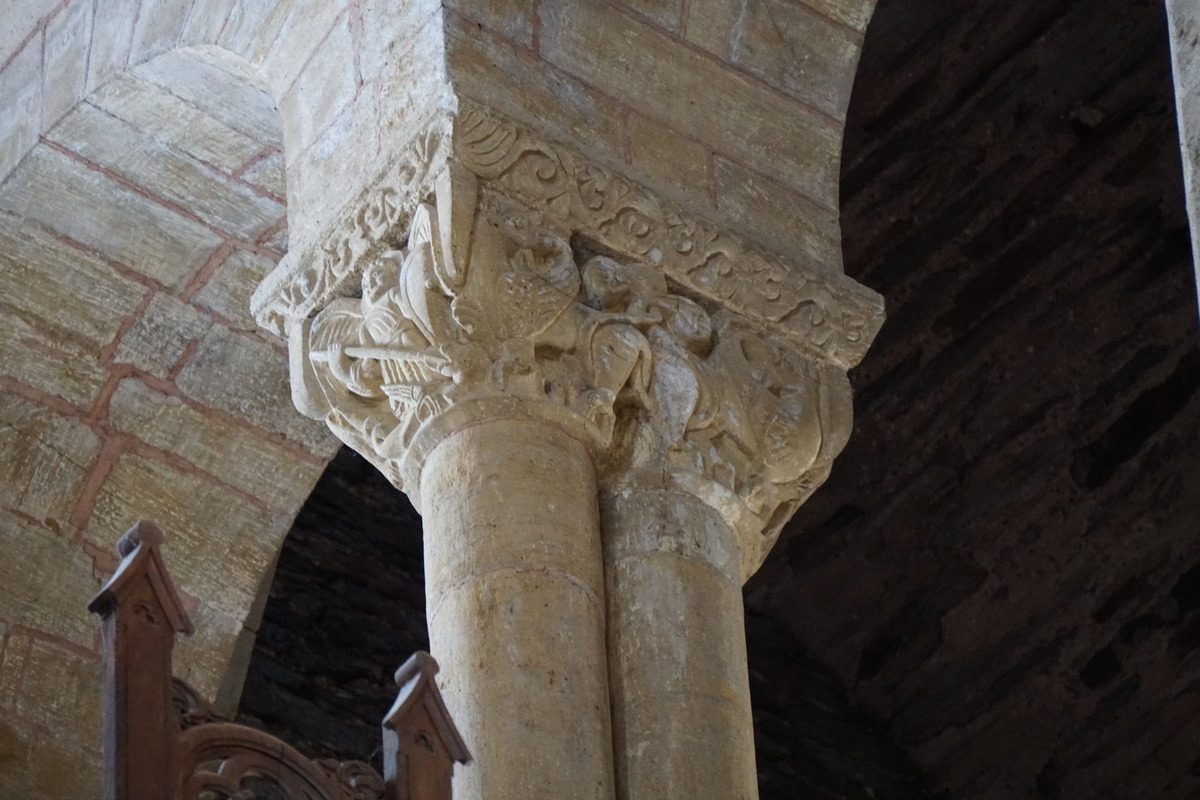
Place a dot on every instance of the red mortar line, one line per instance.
(184, 357)
(205, 271)
(40, 27)
(623, 105)
(312, 54)
(535, 25)
(131, 186)
(266, 152)
(51, 401)
(19, 678)
(53, 638)
(109, 351)
(85, 503)
(685, 17)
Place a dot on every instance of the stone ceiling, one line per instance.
(997, 591)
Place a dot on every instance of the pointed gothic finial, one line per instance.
(141, 615)
(420, 741)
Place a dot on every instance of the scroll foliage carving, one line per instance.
(506, 308)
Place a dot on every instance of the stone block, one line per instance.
(59, 606)
(205, 22)
(18, 21)
(74, 295)
(253, 25)
(158, 339)
(217, 545)
(778, 218)
(664, 13)
(240, 457)
(391, 28)
(324, 87)
(69, 371)
(61, 694)
(14, 760)
(65, 770)
(668, 81)
(45, 459)
(279, 241)
(221, 85)
(249, 379)
(119, 223)
(12, 666)
(512, 19)
(268, 173)
(21, 99)
(187, 128)
(851, 13)
(679, 165)
(1185, 43)
(303, 30)
(206, 658)
(159, 24)
(68, 38)
(112, 35)
(789, 45)
(142, 158)
(228, 291)
(517, 84)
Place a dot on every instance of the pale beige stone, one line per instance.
(253, 25)
(670, 160)
(249, 379)
(219, 544)
(183, 126)
(138, 156)
(665, 13)
(228, 290)
(206, 660)
(676, 648)
(14, 759)
(91, 208)
(668, 81)
(58, 771)
(112, 35)
(221, 85)
(69, 370)
(205, 21)
(514, 592)
(161, 334)
(61, 693)
(45, 459)
(789, 45)
(324, 87)
(512, 19)
(492, 71)
(304, 29)
(279, 241)
(68, 38)
(18, 21)
(21, 98)
(158, 26)
(787, 222)
(268, 172)
(75, 295)
(12, 666)
(240, 457)
(57, 607)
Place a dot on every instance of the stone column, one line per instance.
(510, 333)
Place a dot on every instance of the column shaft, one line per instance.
(677, 649)
(514, 585)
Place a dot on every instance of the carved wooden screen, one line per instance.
(164, 742)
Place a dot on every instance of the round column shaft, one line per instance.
(514, 587)
(677, 649)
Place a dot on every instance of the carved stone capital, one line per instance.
(492, 274)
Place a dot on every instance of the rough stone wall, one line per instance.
(133, 385)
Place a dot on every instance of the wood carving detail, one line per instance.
(162, 740)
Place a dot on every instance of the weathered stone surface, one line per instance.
(219, 84)
(68, 39)
(69, 370)
(20, 86)
(512, 19)
(17, 24)
(46, 457)
(187, 128)
(161, 334)
(27, 597)
(157, 28)
(667, 81)
(324, 87)
(667, 158)
(299, 35)
(247, 378)
(268, 173)
(666, 13)
(791, 46)
(61, 694)
(111, 38)
(222, 543)
(58, 288)
(57, 771)
(14, 760)
(63, 194)
(137, 156)
(240, 457)
(228, 291)
(771, 213)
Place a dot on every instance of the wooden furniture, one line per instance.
(164, 742)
